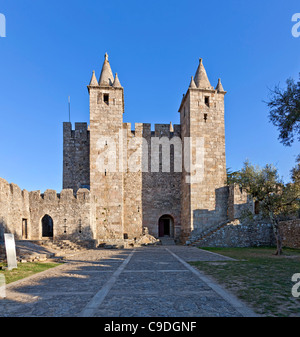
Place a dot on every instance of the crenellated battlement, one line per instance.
(11, 190)
(160, 130)
(81, 131)
(83, 194)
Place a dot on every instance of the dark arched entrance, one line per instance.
(166, 226)
(47, 226)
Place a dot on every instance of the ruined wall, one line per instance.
(290, 231)
(241, 235)
(70, 213)
(238, 202)
(14, 207)
(76, 156)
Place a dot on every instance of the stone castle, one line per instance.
(118, 180)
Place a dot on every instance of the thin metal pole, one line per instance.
(69, 109)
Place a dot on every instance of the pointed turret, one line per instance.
(192, 84)
(171, 127)
(219, 86)
(201, 79)
(117, 83)
(106, 77)
(93, 82)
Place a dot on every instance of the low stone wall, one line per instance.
(290, 231)
(242, 235)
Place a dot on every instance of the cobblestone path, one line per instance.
(148, 282)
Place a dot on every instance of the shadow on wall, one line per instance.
(4, 229)
(204, 219)
(82, 236)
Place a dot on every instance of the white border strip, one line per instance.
(223, 256)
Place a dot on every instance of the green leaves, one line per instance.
(285, 111)
(264, 185)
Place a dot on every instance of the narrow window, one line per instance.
(24, 229)
(206, 100)
(205, 117)
(65, 226)
(105, 98)
(79, 226)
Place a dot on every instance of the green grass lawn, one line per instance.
(25, 269)
(258, 278)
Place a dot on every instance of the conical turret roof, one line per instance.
(219, 86)
(117, 83)
(192, 83)
(201, 79)
(106, 77)
(94, 81)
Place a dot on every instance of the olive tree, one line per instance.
(276, 199)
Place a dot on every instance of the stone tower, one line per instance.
(106, 173)
(203, 195)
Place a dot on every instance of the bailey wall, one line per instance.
(16, 205)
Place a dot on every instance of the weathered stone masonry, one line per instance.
(110, 205)
(71, 214)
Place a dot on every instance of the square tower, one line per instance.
(204, 194)
(106, 173)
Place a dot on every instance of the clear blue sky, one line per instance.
(52, 47)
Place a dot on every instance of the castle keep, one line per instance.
(118, 179)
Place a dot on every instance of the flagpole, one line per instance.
(69, 109)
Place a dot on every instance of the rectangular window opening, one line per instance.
(206, 100)
(105, 98)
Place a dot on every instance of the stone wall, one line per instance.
(14, 207)
(161, 186)
(290, 231)
(132, 196)
(204, 198)
(106, 172)
(238, 202)
(17, 205)
(70, 214)
(76, 156)
(241, 235)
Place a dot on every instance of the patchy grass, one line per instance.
(25, 270)
(258, 278)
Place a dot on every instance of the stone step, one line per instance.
(167, 241)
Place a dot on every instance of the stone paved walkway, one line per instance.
(148, 282)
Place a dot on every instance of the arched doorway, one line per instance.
(166, 226)
(47, 226)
